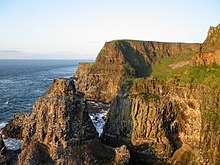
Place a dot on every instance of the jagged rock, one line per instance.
(166, 121)
(209, 51)
(35, 153)
(2, 146)
(15, 126)
(2, 151)
(7, 157)
(122, 156)
(59, 130)
(121, 59)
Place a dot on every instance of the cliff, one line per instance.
(210, 50)
(58, 122)
(121, 59)
(167, 118)
(59, 130)
(166, 121)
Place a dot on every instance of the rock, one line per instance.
(121, 59)
(2, 151)
(35, 153)
(59, 130)
(96, 107)
(7, 157)
(15, 126)
(2, 146)
(122, 156)
(209, 51)
(157, 118)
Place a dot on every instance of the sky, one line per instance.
(78, 29)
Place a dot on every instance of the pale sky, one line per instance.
(78, 29)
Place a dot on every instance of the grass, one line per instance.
(146, 96)
(207, 75)
(129, 70)
(213, 118)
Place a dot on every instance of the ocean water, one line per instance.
(23, 81)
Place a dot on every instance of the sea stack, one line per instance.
(59, 130)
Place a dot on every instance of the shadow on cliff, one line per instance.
(140, 154)
(136, 60)
(35, 153)
(171, 127)
(144, 155)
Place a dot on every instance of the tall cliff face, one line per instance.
(210, 49)
(121, 59)
(66, 116)
(166, 121)
(60, 131)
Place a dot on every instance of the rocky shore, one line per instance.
(148, 121)
(58, 131)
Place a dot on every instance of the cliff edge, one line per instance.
(121, 59)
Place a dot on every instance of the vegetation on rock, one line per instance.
(208, 75)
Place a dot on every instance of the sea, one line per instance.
(23, 81)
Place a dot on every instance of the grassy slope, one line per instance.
(207, 75)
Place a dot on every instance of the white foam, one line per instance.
(7, 102)
(2, 125)
(98, 120)
(48, 79)
(12, 144)
(6, 81)
(38, 91)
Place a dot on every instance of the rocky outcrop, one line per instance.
(59, 130)
(122, 156)
(7, 157)
(15, 126)
(210, 50)
(67, 116)
(166, 122)
(121, 59)
(2, 146)
(35, 153)
(2, 150)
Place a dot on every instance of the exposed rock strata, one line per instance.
(210, 50)
(121, 59)
(59, 130)
(166, 121)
